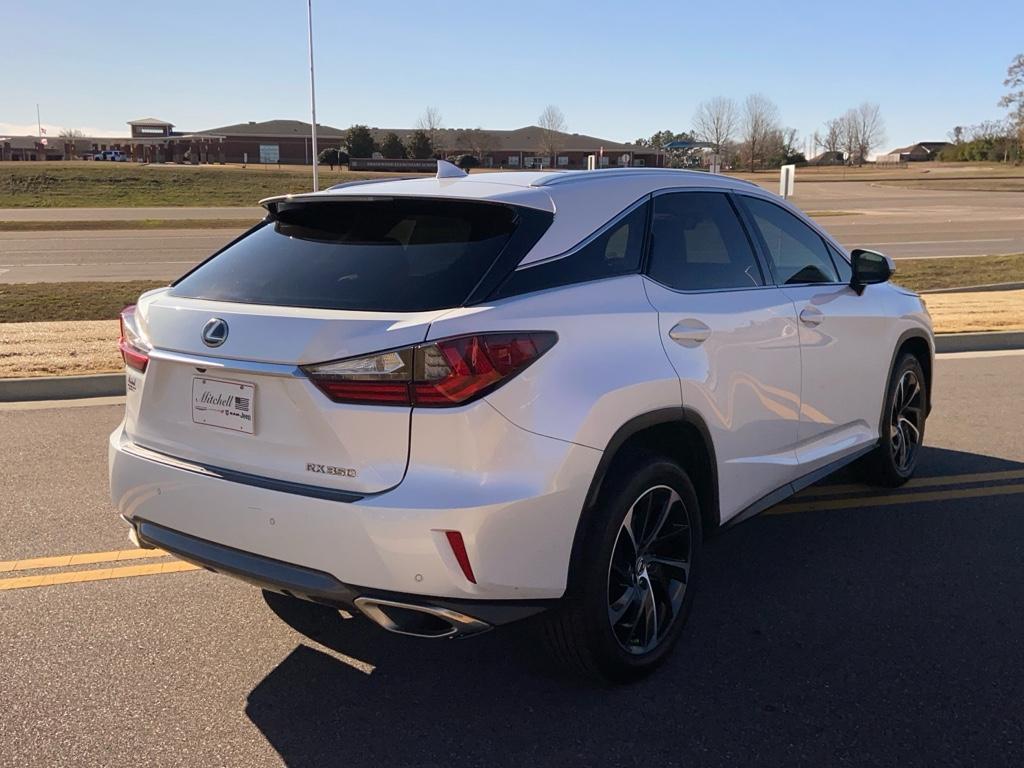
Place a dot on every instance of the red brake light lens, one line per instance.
(133, 345)
(442, 373)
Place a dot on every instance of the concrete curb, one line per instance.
(979, 342)
(112, 384)
(987, 288)
(61, 387)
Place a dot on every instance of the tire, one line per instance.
(895, 459)
(650, 580)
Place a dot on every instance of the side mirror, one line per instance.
(869, 268)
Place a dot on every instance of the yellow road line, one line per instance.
(99, 574)
(86, 558)
(900, 498)
(917, 482)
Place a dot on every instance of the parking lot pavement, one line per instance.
(849, 626)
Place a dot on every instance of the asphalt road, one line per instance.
(901, 222)
(851, 627)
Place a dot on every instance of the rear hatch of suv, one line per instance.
(215, 361)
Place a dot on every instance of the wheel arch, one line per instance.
(916, 342)
(680, 434)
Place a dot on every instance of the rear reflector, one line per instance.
(459, 550)
(442, 373)
(133, 345)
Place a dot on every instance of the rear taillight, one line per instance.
(133, 345)
(440, 373)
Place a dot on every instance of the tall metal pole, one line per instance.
(312, 93)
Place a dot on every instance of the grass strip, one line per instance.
(130, 224)
(94, 300)
(928, 274)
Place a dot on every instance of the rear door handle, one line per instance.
(811, 316)
(689, 332)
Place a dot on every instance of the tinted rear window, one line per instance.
(399, 255)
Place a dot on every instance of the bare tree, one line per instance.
(430, 123)
(831, 138)
(715, 121)
(71, 134)
(478, 141)
(552, 126)
(850, 137)
(759, 122)
(1014, 98)
(870, 128)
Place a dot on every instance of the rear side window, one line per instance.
(698, 244)
(396, 254)
(615, 251)
(798, 254)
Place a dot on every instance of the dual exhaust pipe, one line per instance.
(419, 620)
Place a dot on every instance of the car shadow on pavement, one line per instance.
(879, 635)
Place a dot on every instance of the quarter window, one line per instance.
(797, 253)
(698, 244)
(614, 252)
(842, 265)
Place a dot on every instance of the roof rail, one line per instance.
(571, 177)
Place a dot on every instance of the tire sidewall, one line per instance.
(906, 362)
(643, 473)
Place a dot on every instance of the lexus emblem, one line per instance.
(215, 332)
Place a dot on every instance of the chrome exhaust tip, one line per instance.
(419, 620)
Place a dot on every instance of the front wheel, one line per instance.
(637, 574)
(894, 461)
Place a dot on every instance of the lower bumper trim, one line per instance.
(314, 585)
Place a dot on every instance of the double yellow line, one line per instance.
(63, 569)
(56, 568)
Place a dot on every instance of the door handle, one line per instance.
(811, 316)
(689, 333)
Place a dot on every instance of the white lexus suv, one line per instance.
(451, 403)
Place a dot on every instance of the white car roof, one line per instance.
(582, 201)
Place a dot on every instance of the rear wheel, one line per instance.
(894, 461)
(637, 575)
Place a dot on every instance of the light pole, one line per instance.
(312, 92)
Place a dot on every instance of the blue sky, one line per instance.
(617, 70)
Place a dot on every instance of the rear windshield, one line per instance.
(395, 254)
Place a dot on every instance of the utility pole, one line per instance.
(312, 92)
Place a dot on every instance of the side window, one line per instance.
(798, 254)
(698, 244)
(614, 252)
(842, 265)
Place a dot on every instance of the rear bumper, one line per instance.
(317, 586)
(517, 520)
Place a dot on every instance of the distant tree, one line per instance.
(419, 145)
(477, 141)
(464, 161)
(830, 140)
(71, 134)
(360, 141)
(715, 122)
(1014, 98)
(552, 127)
(430, 123)
(870, 129)
(673, 158)
(760, 120)
(328, 156)
(392, 146)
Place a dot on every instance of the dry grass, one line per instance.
(989, 311)
(51, 349)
